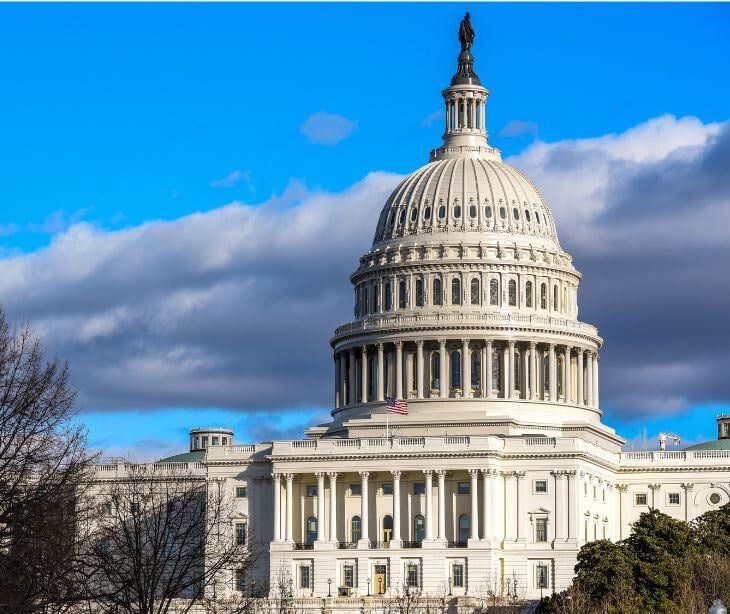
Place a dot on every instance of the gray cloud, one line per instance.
(324, 128)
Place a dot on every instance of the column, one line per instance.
(510, 494)
(505, 371)
(595, 380)
(571, 478)
(525, 372)
(338, 368)
(396, 506)
(429, 503)
(333, 506)
(474, 494)
(398, 369)
(320, 506)
(533, 370)
(566, 375)
(552, 384)
(559, 509)
(521, 505)
(687, 494)
(364, 375)
(444, 385)
(364, 522)
(419, 372)
(488, 495)
(465, 369)
(622, 488)
(289, 506)
(511, 371)
(442, 503)
(483, 375)
(277, 506)
(380, 375)
(351, 372)
(488, 380)
(579, 381)
(589, 379)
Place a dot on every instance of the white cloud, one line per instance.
(517, 128)
(231, 179)
(324, 128)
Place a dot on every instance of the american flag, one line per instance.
(396, 406)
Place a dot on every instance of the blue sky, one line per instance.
(116, 115)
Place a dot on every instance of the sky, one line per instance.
(185, 188)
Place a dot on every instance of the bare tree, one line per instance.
(165, 540)
(43, 462)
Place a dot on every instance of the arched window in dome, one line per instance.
(442, 212)
(435, 370)
(427, 213)
(474, 291)
(512, 293)
(414, 214)
(388, 296)
(543, 296)
(457, 211)
(503, 213)
(528, 294)
(437, 293)
(456, 291)
(476, 370)
(402, 294)
(455, 360)
(496, 372)
(488, 211)
(493, 292)
(472, 211)
(419, 292)
(516, 214)
(464, 527)
(537, 217)
(402, 219)
(555, 299)
(527, 215)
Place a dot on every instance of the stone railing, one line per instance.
(120, 470)
(671, 456)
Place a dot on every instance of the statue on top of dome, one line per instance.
(466, 33)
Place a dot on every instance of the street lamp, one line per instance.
(450, 585)
(329, 587)
(368, 587)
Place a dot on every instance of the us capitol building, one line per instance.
(465, 306)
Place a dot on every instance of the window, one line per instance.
(515, 214)
(541, 533)
(435, 370)
(412, 575)
(595, 492)
(527, 215)
(388, 297)
(311, 530)
(402, 297)
(503, 213)
(402, 217)
(541, 486)
(464, 528)
(475, 291)
(224, 441)
(414, 214)
(388, 488)
(528, 294)
(541, 576)
(457, 211)
(305, 576)
(311, 490)
(355, 490)
(537, 217)
(476, 370)
(241, 492)
(240, 534)
(437, 294)
(463, 488)
(472, 211)
(715, 498)
(496, 371)
(457, 575)
(387, 528)
(494, 292)
(241, 580)
(419, 488)
(419, 528)
(427, 213)
(348, 576)
(355, 529)
(214, 441)
(456, 291)
(673, 498)
(204, 439)
(488, 211)
(442, 212)
(376, 297)
(455, 360)
(512, 292)
(543, 296)
(640, 498)
(419, 292)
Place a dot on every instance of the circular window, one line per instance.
(488, 211)
(527, 215)
(442, 211)
(715, 498)
(515, 214)
(457, 211)
(472, 211)
(427, 213)
(414, 214)
(502, 212)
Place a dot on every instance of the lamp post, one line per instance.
(450, 586)
(329, 587)
(368, 587)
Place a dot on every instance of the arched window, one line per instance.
(493, 292)
(555, 298)
(419, 292)
(515, 214)
(527, 215)
(442, 212)
(427, 213)
(414, 214)
(402, 217)
(435, 370)
(456, 291)
(376, 297)
(355, 529)
(457, 211)
(402, 297)
(311, 530)
(496, 371)
(475, 291)
(387, 528)
(455, 370)
(476, 370)
(464, 528)
(388, 297)
(543, 296)
(366, 300)
(419, 528)
(472, 211)
(488, 211)
(528, 294)
(437, 294)
(512, 292)
(503, 213)
(537, 217)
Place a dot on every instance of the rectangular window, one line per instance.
(640, 498)
(240, 492)
(311, 490)
(419, 488)
(356, 490)
(388, 489)
(205, 441)
(541, 576)
(240, 534)
(224, 441)
(348, 576)
(241, 580)
(457, 575)
(214, 441)
(541, 486)
(673, 498)
(305, 576)
(541, 533)
(464, 488)
(412, 574)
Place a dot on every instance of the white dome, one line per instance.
(478, 194)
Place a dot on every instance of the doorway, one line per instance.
(380, 579)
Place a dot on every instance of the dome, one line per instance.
(716, 444)
(467, 194)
